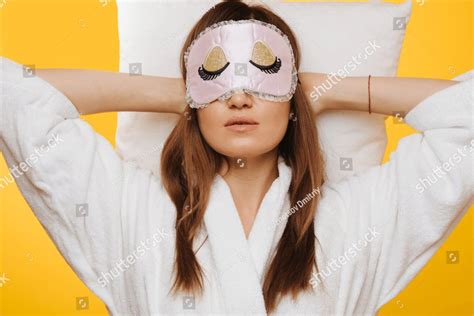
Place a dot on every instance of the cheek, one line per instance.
(209, 121)
(274, 127)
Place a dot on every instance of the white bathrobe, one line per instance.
(114, 222)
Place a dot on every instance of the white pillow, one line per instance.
(329, 34)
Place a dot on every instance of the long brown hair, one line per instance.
(186, 157)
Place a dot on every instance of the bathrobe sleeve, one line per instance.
(70, 176)
(414, 201)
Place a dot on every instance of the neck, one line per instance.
(248, 171)
(249, 180)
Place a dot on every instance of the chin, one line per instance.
(240, 149)
(239, 152)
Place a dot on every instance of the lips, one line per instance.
(240, 121)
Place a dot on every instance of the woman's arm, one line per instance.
(389, 95)
(76, 184)
(416, 199)
(93, 91)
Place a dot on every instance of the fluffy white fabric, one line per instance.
(329, 35)
(386, 222)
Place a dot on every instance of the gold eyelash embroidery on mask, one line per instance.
(262, 55)
(263, 58)
(214, 65)
(215, 60)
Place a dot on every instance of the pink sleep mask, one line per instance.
(248, 56)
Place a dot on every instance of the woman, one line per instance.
(240, 220)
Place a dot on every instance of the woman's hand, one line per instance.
(94, 91)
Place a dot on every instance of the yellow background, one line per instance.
(83, 34)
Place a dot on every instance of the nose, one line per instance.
(239, 100)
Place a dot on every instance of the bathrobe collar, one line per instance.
(240, 263)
